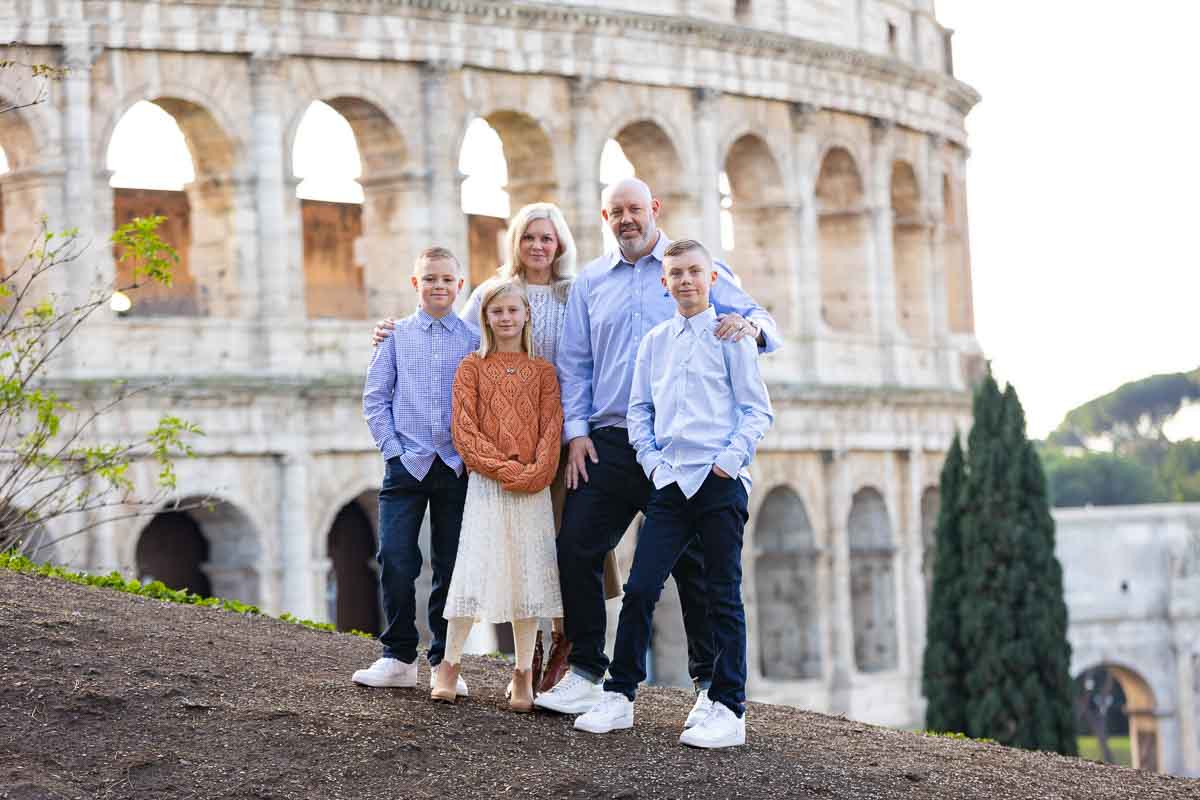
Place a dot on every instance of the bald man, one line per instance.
(613, 303)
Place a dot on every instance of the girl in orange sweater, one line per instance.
(507, 426)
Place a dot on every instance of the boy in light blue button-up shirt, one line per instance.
(697, 410)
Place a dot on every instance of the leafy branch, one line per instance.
(55, 471)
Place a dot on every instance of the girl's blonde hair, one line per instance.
(489, 291)
(562, 268)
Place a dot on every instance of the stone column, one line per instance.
(914, 577)
(299, 591)
(280, 281)
(807, 267)
(935, 210)
(77, 138)
(706, 105)
(1187, 682)
(841, 669)
(584, 185)
(881, 269)
(447, 224)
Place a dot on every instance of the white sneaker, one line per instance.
(721, 728)
(574, 694)
(460, 688)
(387, 673)
(699, 710)
(614, 712)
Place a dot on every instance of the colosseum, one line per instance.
(827, 135)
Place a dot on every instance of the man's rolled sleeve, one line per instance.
(574, 364)
(727, 296)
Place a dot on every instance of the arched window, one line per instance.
(842, 228)
(785, 580)
(910, 254)
(872, 583)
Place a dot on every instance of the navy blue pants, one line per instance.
(595, 518)
(402, 503)
(715, 517)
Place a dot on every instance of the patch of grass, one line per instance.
(957, 735)
(1089, 748)
(156, 590)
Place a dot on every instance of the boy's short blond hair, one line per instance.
(684, 246)
(436, 254)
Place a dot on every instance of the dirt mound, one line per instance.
(104, 694)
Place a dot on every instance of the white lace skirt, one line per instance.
(507, 567)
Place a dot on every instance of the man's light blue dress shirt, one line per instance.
(696, 401)
(409, 384)
(612, 306)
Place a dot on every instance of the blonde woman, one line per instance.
(507, 426)
(540, 253)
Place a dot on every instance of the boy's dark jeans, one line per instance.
(595, 518)
(716, 517)
(402, 502)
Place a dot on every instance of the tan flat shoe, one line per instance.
(521, 699)
(444, 686)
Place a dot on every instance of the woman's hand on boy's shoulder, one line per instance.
(383, 329)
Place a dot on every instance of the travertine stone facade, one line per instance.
(839, 124)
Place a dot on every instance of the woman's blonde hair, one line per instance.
(562, 268)
(489, 291)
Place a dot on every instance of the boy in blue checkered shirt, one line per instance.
(406, 402)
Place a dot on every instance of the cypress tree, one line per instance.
(942, 670)
(1012, 618)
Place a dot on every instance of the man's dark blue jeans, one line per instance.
(595, 518)
(716, 517)
(402, 502)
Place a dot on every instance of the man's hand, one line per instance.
(734, 327)
(720, 473)
(383, 329)
(579, 450)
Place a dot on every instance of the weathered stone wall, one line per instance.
(844, 147)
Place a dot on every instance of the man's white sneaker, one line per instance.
(721, 728)
(460, 688)
(614, 712)
(699, 710)
(574, 694)
(387, 673)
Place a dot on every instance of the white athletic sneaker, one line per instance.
(699, 710)
(614, 712)
(387, 673)
(574, 694)
(721, 728)
(460, 688)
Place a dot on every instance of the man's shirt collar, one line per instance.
(660, 247)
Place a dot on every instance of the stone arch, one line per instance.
(532, 172)
(349, 249)
(22, 195)
(204, 539)
(931, 502)
(785, 580)
(842, 242)
(1140, 711)
(872, 582)
(656, 159)
(761, 215)
(956, 265)
(352, 587)
(910, 234)
(200, 222)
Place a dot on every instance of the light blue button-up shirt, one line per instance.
(406, 399)
(612, 306)
(696, 401)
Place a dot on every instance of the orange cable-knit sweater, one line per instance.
(508, 419)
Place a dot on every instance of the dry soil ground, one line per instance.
(104, 694)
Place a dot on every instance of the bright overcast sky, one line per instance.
(1082, 191)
